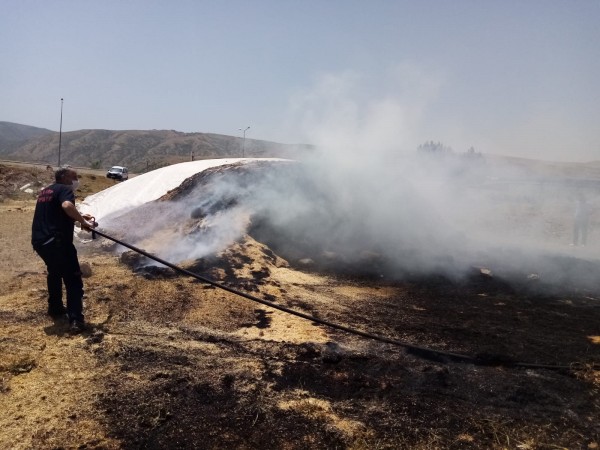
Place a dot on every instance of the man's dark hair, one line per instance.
(60, 174)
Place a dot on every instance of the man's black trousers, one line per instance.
(63, 266)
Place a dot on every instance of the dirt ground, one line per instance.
(170, 362)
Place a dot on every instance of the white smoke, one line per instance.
(365, 190)
(424, 213)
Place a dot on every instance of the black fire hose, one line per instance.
(436, 355)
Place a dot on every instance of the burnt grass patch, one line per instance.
(418, 403)
(162, 398)
(488, 317)
(203, 403)
(258, 394)
(364, 394)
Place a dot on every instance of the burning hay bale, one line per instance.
(299, 213)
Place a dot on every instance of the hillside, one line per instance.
(139, 150)
(12, 135)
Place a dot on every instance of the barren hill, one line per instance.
(140, 150)
(12, 135)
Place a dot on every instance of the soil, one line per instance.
(171, 362)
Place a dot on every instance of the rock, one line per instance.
(332, 353)
(133, 259)
(86, 270)
(96, 337)
(309, 350)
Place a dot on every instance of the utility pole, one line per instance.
(244, 141)
(60, 132)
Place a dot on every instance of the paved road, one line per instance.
(43, 166)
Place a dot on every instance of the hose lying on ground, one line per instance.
(428, 353)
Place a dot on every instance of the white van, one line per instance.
(118, 173)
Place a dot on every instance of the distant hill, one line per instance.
(139, 150)
(13, 134)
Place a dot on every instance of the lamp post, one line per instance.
(60, 132)
(244, 140)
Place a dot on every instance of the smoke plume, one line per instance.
(367, 200)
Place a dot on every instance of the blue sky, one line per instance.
(519, 78)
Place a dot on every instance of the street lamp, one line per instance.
(244, 140)
(60, 132)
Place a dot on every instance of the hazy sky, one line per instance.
(510, 77)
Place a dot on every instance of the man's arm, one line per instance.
(71, 211)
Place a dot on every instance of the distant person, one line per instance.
(52, 239)
(582, 221)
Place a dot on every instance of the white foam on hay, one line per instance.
(150, 186)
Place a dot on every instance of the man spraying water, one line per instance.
(52, 239)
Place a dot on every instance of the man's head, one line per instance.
(65, 176)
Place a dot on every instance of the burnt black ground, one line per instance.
(164, 397)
